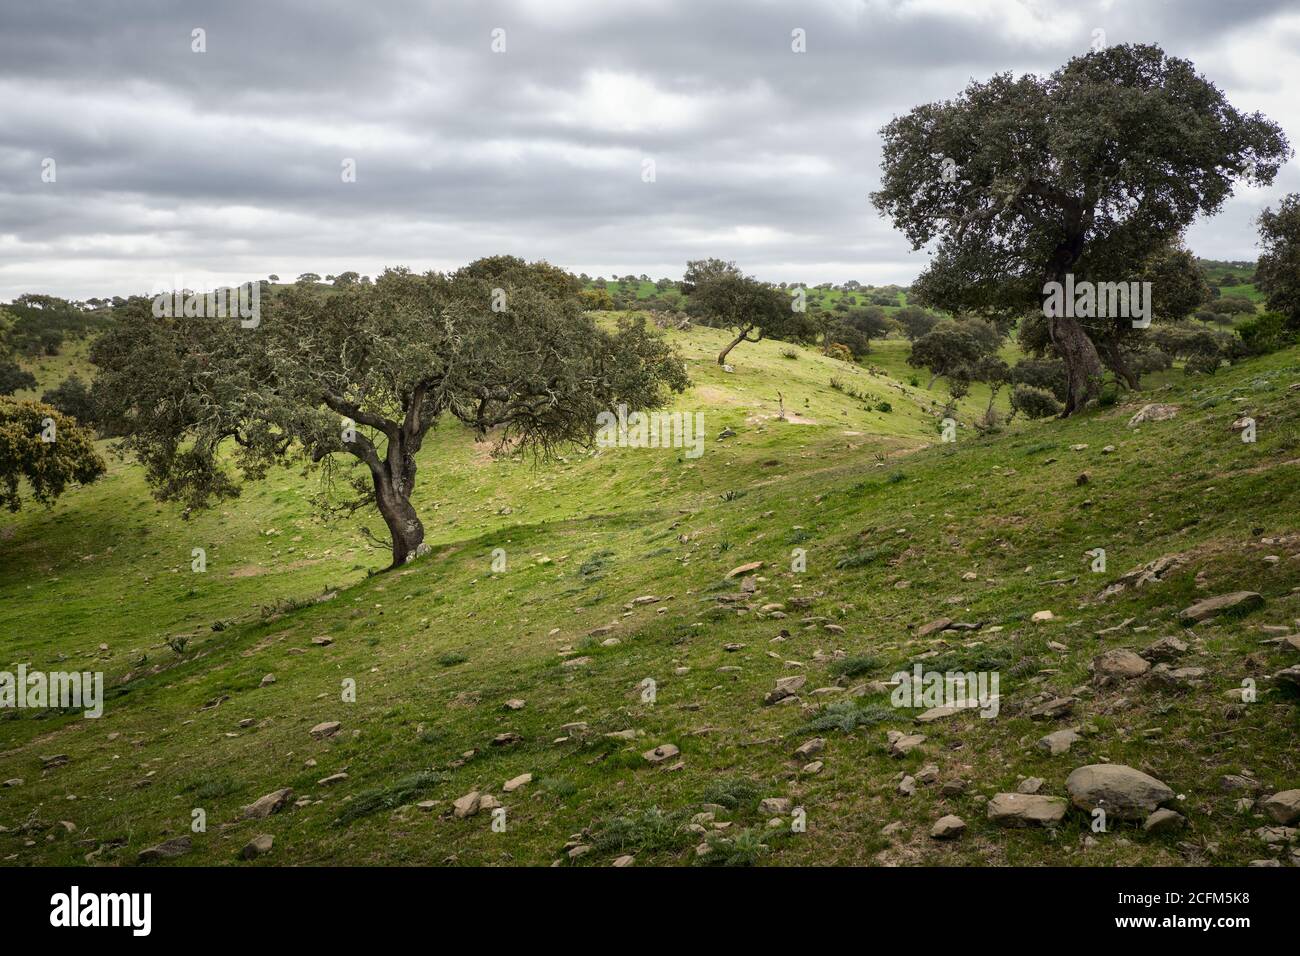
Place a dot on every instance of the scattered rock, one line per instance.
(514, 783)
(1164, 650)
(1236, 782)
(1030, 785)
(167, 850)
(263, 807)
(901, 744)
(1176, 679)
(661, 753)
(1051, 708)
(467, 805)
(785, 687)
(1058, 742)
(1023, 810)
(260, 845)
(1290, 675)
(332, 779)
(811, 748)
(1273, 835)
(775, 806)
(1154, 412)
(1164, 821)
(1238, 601)
(1124, 793)
(936, 713)
(327, 729)
(1149, 573)
(1283, 807)
(743, 569)
(939, 624)
(1116, 665)
(948, 828)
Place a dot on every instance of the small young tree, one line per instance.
(43, 449)
(14, 378)
(72, 398)
(596, 300)
(915, 321)
(1034, 402)
(1047, 374)
(731, 300)
(367, 371)
(947, 350)
(870, 320)
(996, 374)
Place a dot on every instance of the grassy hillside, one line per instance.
(1242, 281)
(617, 568)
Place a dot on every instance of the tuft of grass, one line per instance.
(734, 793)
(402, 791)
(854, 666)
(848, 715)
(649, 831)
(560, 787)
(746, 848)
(865, 556)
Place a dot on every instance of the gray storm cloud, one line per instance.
(225, 165)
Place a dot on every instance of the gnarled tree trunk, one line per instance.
(1082, 364)
(393, 474)
(1077, 351)
(403, 523)
(1114, 359)
(742, 337)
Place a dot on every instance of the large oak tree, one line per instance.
(366, 371)
(1088, 171)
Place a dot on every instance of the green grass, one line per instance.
(436, 648)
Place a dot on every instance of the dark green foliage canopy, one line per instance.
(392, 358)
(1278, 271)
(1087, 171)
(47, 467)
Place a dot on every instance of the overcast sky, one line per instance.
(225, 165)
